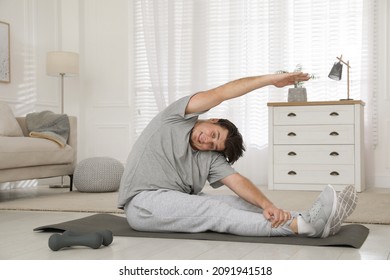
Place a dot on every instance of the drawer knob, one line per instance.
(291, 134)
(334, 114)
(291, 115)
(292, 153)
(334, 173)
(334, 154)
(334, 133)
(292, 173)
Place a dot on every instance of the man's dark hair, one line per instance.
(234, 145)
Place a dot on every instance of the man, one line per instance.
(175, 155)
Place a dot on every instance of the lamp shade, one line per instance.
(336, 71)
(62, 63)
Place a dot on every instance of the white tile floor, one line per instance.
(19, 242)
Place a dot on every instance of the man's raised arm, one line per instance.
(205, 100)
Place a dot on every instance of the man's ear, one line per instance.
(213, 120)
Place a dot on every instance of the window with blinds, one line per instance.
(184, 46)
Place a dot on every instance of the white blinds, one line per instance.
(183, 46)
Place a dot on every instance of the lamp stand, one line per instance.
(348, 66)
(62, 111)
(62, 92)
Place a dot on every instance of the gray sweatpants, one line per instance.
(173, 211)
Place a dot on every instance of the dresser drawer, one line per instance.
(306, 115)
(314, 154)
(314, 174)
(314, 134)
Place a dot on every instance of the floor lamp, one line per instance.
(61, 64)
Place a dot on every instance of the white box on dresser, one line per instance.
(312, 144)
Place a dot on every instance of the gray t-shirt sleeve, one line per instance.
(219, 169)
(176, 111)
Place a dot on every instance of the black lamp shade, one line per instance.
(336, 71)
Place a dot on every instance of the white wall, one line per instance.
(101, 32)
(105, 114)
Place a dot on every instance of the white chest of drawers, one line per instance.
(312, 144)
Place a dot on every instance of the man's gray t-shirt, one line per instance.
(162, 157)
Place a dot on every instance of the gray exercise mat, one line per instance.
(350, 235)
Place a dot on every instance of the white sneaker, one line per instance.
(321, 214)
(346, 204)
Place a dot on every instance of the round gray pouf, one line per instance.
(98, 174)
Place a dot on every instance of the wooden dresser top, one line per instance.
(313, 103)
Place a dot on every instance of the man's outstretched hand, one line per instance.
(277, 217)
(286, 79)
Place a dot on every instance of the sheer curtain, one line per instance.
(183, 46)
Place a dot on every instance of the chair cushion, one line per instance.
(98, 174)
(18, 152)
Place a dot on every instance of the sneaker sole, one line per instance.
(325, 232)
(347, 201)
